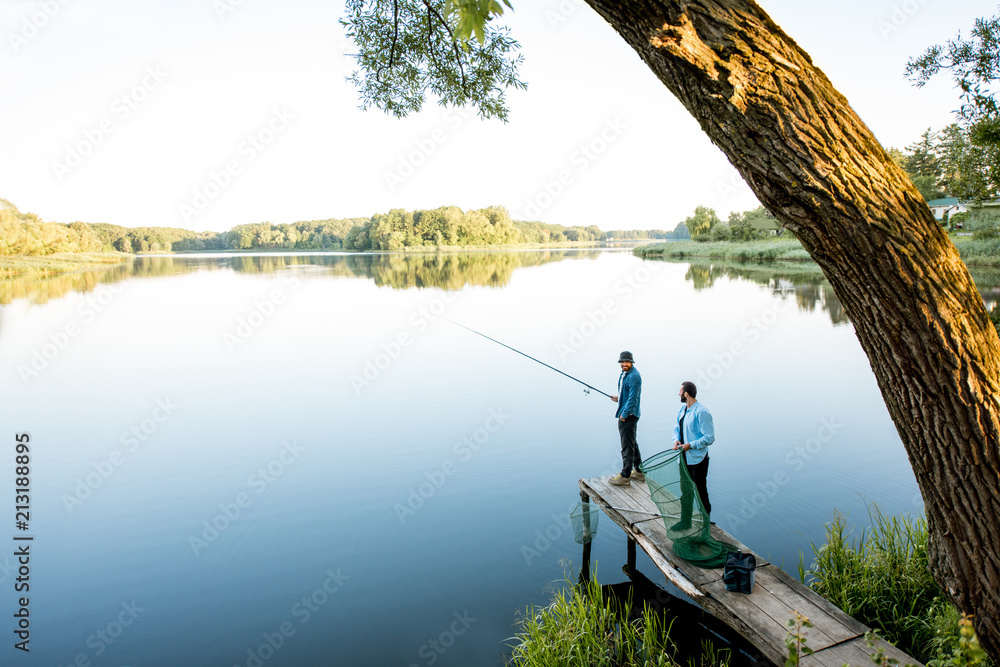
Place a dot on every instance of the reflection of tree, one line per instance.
(805, 282)
(456, 270)
(701, 276)
(39, 289)
(399, 271)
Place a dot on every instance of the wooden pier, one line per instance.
(762, 616)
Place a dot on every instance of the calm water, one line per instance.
(296, 460)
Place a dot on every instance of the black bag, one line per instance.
(740, 572)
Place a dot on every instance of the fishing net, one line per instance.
(584, 518)
(687, 522)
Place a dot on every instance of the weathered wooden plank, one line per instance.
(855, 652)
(773, 610)
(852, 626)
(762, 616)
(667, 568)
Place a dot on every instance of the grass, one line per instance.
(583, 627)
(978, 252)
(15, 266)
(883, 580)
(770, 249)
(973, 251)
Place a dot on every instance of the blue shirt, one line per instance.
(629, 388)
(699, 431)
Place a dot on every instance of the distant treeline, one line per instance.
(450, 226)
(26, 234)
(308, 235)
(680, 233)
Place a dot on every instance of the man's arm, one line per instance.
(633, 396)
(707, 427)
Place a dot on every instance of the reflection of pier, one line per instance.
(761, 617)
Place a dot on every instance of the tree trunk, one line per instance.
(918, 315)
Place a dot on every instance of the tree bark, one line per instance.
(918, 315)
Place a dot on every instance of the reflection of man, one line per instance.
(629, 388)
(693, 433)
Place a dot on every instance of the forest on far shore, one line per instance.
(27, 234)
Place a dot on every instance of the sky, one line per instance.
(205, 114)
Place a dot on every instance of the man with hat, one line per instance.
(629, 388)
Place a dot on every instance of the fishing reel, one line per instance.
(587, 391)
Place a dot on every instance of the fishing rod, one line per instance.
(530, 357)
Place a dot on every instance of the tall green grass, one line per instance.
(584, 628)
(12, 266)
(883, 580)
(978, 251)
(758, 251)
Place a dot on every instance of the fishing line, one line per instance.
(530, 357)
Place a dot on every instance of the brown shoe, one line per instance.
(638, 476)
(618, 480)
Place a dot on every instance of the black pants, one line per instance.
(630, 448)
(699, 475)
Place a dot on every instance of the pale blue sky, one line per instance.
(197, 85)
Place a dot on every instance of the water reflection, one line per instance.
(806, 283)
(803, 282)
(450, 271)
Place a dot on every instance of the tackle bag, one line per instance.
(740, 572)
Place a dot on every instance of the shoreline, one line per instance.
(40, 266)
(974, 252)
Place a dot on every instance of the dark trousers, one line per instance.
(699, 475)
(630, 448)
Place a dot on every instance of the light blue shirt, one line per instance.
(699, 431)
(629, 388)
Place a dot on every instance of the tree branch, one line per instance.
(451, 38)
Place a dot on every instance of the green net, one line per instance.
(584, 519)
(688, 524)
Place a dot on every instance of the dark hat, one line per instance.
(626, 356)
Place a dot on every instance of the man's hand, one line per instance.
(615, 398)
(677, 444)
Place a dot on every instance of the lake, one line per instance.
(301, 460)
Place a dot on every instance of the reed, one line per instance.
(755, 251)
(583, 627)
(883, 580)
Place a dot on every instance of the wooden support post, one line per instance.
(631, 556)
(585, 565)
